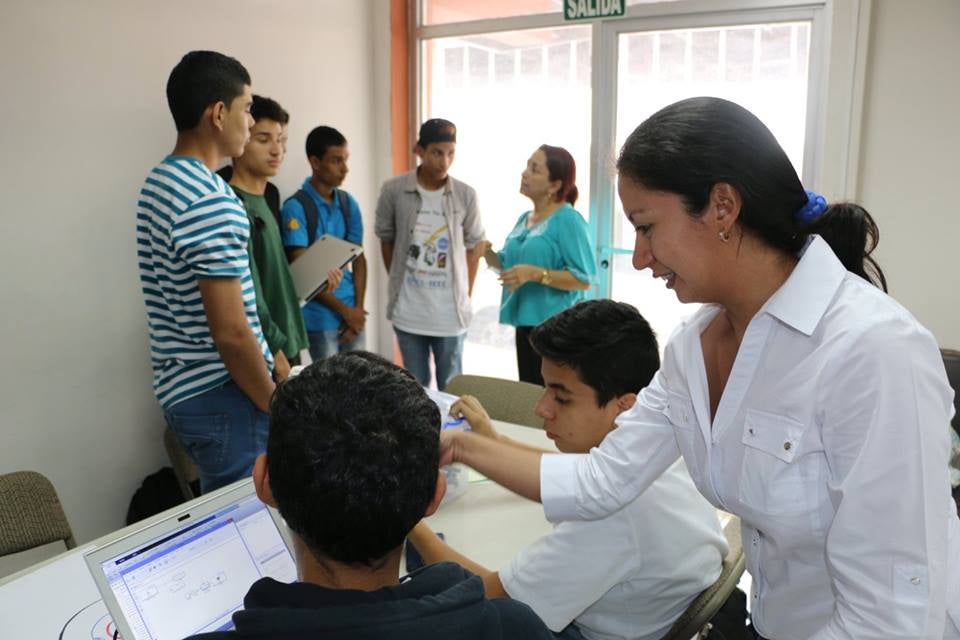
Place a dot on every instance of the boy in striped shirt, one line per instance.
(211, 365)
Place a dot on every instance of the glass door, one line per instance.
(514, 76)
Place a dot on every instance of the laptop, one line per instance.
(310, 269)
(188, 571)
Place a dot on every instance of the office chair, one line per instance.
(183, 467)
(506, 400)
(30, 513)
(694, 622)
(951, 361)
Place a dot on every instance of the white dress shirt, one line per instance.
(830, 442)
(630, 575)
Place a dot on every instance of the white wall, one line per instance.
(909, 168)
(82, 119)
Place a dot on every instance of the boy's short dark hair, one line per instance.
(200, 79)
(609, 344)
(321, 139)
(264, 108)
(353, 455)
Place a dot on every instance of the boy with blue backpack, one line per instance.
(335, 320)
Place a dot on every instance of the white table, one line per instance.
(488, 524)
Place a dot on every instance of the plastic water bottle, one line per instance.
(457, 473)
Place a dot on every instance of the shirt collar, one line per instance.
(410, 182)
(308, 187)
(803, 299)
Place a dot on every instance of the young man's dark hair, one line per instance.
(268, 108)
(353, 455)
(352, 464)
(615, 361)
(200, 79)
(321, 139)
(263, 108)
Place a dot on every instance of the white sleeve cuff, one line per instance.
(558, 486)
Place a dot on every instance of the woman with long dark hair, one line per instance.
(801, 396)
(547, 259)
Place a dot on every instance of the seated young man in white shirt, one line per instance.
(631, 574)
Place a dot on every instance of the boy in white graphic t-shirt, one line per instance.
(431, 241)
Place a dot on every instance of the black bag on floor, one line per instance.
(159, 492)
(730, 623)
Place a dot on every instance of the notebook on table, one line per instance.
(188, 572)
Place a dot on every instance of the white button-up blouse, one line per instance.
(830, 442)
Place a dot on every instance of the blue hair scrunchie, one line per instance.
(816, 204)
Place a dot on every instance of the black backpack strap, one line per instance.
(345, 210)
(272, 195)
(309, 212)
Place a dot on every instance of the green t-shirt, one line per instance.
(277, 304)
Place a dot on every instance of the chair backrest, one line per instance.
(183, 467)
(692, 621)
(30, 513)
(951, 360)
(506, 400)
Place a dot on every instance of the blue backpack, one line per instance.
(313, 215)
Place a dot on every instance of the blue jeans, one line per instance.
(447, 356)
(326, 343)
(222, 432)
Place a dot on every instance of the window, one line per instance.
(522, 77)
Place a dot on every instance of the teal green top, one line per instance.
(561, 242)
(277, 304)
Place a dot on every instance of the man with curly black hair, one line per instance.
(352, 465)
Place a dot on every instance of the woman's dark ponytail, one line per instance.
(853, 235)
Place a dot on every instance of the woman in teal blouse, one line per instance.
(548, 259)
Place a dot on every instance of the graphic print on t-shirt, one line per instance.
(427, 256)
(426, 304)
(427, 269)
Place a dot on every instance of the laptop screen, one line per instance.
(191, 580)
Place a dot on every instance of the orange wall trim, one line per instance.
(400, 85)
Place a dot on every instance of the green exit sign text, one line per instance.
(592, 9)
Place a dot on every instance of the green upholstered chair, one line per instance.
(30, 513)
(505, 400)
(183, 467)
(695, 621)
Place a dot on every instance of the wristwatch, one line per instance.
(545, 278)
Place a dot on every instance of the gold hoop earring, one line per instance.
(724, 235)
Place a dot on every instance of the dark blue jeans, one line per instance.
(324, 344)
(447, 356)
(222, 432)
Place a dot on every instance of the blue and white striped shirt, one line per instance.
(190, 225)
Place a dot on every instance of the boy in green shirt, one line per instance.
(277, 303)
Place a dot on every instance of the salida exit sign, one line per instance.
(592, 9)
